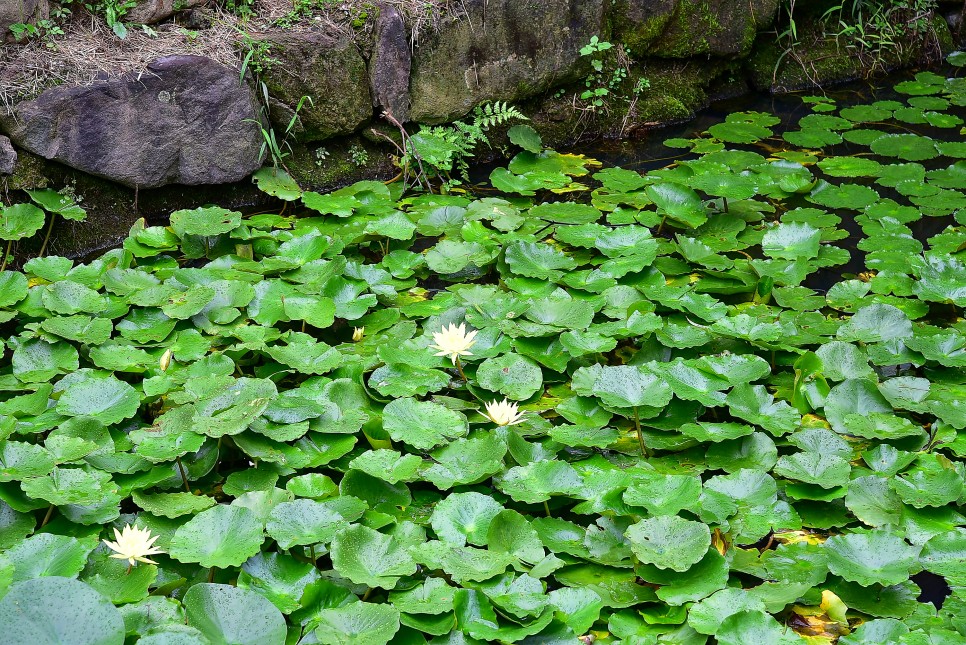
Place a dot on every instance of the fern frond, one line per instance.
(492, 114)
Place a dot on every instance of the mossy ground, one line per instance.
(818, 59)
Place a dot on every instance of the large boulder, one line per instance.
(499, 50)
(390, 63)
(327, 68)
(184, 120)
(722, 28)
(13, 12)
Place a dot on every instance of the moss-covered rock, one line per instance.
(500, 50)
(329, 69)
(724, 28)
(638, 23)
(339, 162)
(674, 91)
(30, 172)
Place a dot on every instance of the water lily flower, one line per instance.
(454, 341)
(134, 544)
(358, 333)
(504, 413)
(165, 361)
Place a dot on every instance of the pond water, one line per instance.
(720, 398)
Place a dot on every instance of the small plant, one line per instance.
(23, 30)
(45, 29)
(446, 149)
(605, 81)
(358, 155)
(598, 88)
(114, 12)
(321, 156)
(300, 9)
(242, 8)
(278, 148)
(258, 59)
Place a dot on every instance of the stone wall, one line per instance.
(191, 121)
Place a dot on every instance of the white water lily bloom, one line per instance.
(503, 413)
(454, 341)
(134, 544)
(358, 333)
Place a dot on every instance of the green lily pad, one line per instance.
(871, 558)
(908, 147)
(358, 623)
(55, 610)
(20, 221)
(669, 541)
(222, 536)
(226, 614)
(369, 557)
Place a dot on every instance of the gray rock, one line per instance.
(500, 50)
(327, 68)
(20, 11)
(390, 64)
(8, 156)
(148, 12)
(184, 120)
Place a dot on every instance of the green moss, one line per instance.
(822, 61)
(637, 29)
(818, 60)
(677, 90)
(339, 162)
(944, 37)
(29, 173)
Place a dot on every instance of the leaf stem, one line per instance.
(50, 228)
(365, 596)
(546, 507)
(640, 436)
(211, 574)
(459, 368)
(312, 553)
(184, 477)
(50, 512)
(6, 254)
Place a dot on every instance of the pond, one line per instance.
(714, 395)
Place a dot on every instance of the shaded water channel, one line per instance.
(650, 153)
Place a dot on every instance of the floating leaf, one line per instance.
(222, 536)
(226, 614)
(55, 610)
(369, 557)
(669, 541)
(871, 558)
